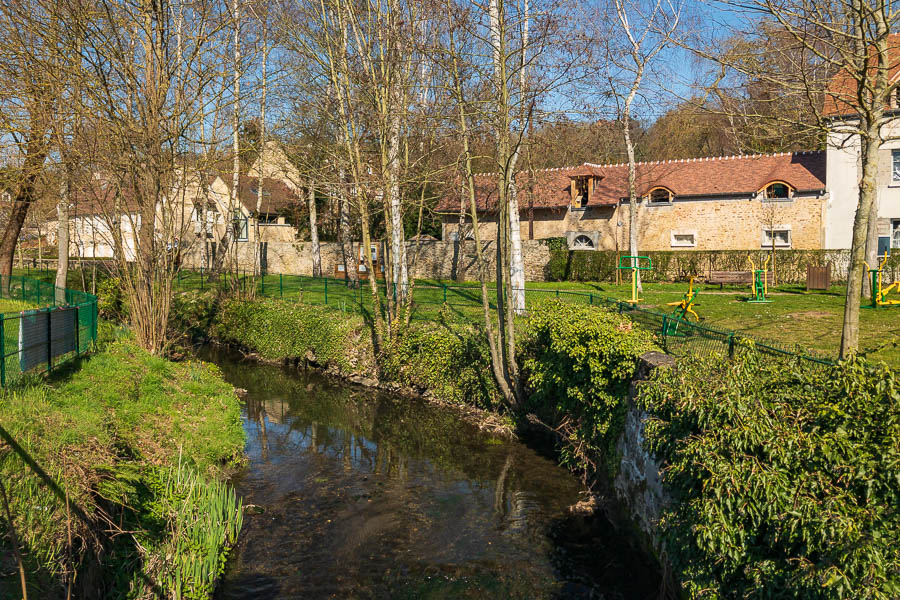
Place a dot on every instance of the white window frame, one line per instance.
(674, 243)
(895, 233)
(895, 166)
(588, 246)
(593, 236)
(238, 219)
(767, 232)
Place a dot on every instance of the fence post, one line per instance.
(262, 283)
(2, 353)
(77, 333)
(444, 285)
(49, 341)
(557, 292)
(281, 285)
(731, 345)
(591, 298)
(23, 288)
(326, 290)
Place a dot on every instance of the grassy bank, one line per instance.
(114, 472)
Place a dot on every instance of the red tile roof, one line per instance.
(101, 197)
(840, 93)
(277, 196)
(695, 177)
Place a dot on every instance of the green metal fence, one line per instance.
(463, 303)
(52, 326)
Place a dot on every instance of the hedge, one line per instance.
(674, 265)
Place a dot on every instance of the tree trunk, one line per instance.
(351, 272)
(633, 202)
(400, 276)
(871, 247)
(867, 192)
(225, 242)
(516, 262)
(456, 272)
(62, 242)
(314, 234)
(35, 154)
(257, 263)
(497, 368)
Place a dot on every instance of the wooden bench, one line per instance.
(734, 277)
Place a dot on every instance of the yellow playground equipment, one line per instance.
(760, 283)
(879, 293)
(683, 308)
(634, 265)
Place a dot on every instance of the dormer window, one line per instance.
(581, 189)
(778, 190)
(660, 195)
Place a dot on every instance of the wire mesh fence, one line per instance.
(463, 302)
(48, 327)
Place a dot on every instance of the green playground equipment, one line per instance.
(760, 285)
(879, 293)
(683, 309)
(634, 266)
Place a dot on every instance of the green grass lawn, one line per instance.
(811, 320)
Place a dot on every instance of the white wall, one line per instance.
(842, 180)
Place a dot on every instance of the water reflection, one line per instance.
(366, 495)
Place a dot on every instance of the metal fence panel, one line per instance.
(43, 337)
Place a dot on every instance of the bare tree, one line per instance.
(31, 51)
(646, 28)
(147, 76)
(844, 73)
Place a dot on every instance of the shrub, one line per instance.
(111, 301)
(279, 330)
(193, 312)
(578, 362)
(453, 364)
(785, 484)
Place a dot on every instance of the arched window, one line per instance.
(660, 195)
(778, 190)
(582, 242)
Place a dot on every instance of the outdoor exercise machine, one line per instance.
(634, 265)
(879, 293)
(760, 285)
(683, 308)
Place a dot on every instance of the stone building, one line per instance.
(721, 203)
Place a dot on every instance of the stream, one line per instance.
(352, 493)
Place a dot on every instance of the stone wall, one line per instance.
(638, 482)
(715, 223)
(427, 260)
